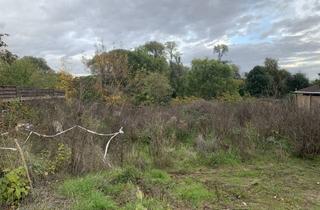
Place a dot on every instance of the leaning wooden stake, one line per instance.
(24, 163)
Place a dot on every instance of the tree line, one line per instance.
(152, 73)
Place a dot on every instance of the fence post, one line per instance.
(24, 163)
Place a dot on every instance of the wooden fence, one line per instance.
(8, 93)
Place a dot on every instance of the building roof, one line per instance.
(315, 89)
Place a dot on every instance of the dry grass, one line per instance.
(152, 133)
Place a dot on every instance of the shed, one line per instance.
(308, 97)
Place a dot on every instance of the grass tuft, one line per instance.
(156, 176)
(80, 187)
(220, 158)
(129, 174)
(95, 200)
(193, 192)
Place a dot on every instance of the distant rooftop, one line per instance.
(315, 89)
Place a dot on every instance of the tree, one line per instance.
(116, 70)
(177, 70)
(149, 88)
(316, 81)
(271, 64)
(142, 60)
(87, 89)
(171, 49)
(23, 72)
(210, 78)
(39, 62)
(2, 43)
(111, 69)
(236, 69)
(66, 83)
(221, 50)
(279, 77)
(156, 49)
(259, 82)
(269, 80)
(6, 55)
(297, 81)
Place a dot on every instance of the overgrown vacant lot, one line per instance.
(259, 184)
(189, 155)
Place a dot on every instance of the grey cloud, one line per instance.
(288, 51)
(69, 28)
(293, 25)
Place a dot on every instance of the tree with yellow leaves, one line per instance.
(65, 83)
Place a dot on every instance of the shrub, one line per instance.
(183, 100)
(28, 73)
(210, 78)
(14, 186)
(160, 142)
(15, 113)
(228, 97)
(152, 88)
(45, 165)
(302, 128)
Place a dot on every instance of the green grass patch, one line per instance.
(220, 158)
(146, 204)
(86, 194)
(116, 189)
(80, 187)
(95, 200)
(193, 192)
(259, 184)
(128, 174)
(185, 159)
(156, 176)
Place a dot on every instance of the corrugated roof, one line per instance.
(311, 89)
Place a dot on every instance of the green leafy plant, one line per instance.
(16, 112)
(45, 165)
(62, 157)
(14, 186)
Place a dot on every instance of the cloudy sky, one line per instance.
(254, 29)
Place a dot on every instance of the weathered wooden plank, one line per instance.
(28, 93)
(7, 89)
(8, 96)
(8, 93)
